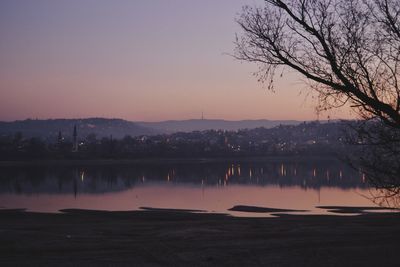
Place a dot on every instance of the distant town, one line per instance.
(307, 138)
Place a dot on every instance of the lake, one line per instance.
(209, 186)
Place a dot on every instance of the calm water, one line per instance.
(214, 187)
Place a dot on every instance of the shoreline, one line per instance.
(95, 162)
(179, 238)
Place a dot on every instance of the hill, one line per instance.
(118, 128)
(172, 126)
(49, 129)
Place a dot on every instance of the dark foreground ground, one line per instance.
(173, 238)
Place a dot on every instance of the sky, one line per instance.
(137, 60)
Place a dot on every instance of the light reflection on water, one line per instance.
(214, 187)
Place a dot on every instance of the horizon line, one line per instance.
(168, 120)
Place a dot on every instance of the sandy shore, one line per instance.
(178, 238)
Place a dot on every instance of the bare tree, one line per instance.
(376, 151)
(347, 50)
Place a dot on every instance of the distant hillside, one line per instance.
(49, 129)
(200, 125)
(313, 139)
(118, 128)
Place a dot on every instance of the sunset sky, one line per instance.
(136, 60)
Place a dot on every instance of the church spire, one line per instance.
(75, 141)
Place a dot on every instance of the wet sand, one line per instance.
(254, 209)
(179, 238)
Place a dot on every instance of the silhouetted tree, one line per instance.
(348, 51)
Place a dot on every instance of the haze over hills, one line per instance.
(119, 128)
(172, 126)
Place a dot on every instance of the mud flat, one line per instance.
(156, 237)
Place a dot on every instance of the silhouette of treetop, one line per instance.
(348, 50)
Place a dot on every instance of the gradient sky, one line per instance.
(137, 60)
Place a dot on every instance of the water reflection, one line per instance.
(101, 179)
(198, 185)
